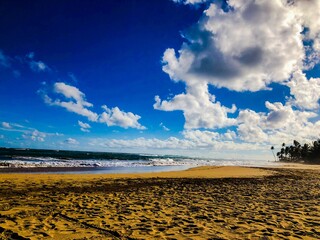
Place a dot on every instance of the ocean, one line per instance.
(106, 162)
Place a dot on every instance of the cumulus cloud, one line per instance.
(280, 124)
(204, 138)
(116, 117)
(306, 92)
(75, 101)
(35, 135)
(192, 141)
(308, 14)
(199, 108)
(249, 128)
(201, 138)
(245, 48)
(71, 92)
(84, 127)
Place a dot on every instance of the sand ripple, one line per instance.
(283, 206)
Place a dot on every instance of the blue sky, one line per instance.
(193, 77)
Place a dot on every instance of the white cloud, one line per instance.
(193, 141)
(246, 48)
(201, 138)
(192, 2)
(1, 136)
(6, 125)
(28, 133)
(280, 124)
(306, 92)
(152, 143)
(14, 127)
(199, 108)
(76, 107)
(204, 138)
(256, 131)
(84, 127)
(280, 115)
(116, 117)
(38, 66)
(215, 148)
(72, 93)
(77, 103)
(71, 141)
(230, 135)
(249, 128)
(308, 14)
(35, 136)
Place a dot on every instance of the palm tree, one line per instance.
(286, 152)
(297, 150)
(282, 152)
(272, 148)
(305, 151)
(291, 152)
(315, 152)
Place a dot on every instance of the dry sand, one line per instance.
(201, 203)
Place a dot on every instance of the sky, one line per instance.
(202, 78)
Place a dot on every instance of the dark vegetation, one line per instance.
(307, 153)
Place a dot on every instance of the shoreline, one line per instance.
(165, 170)
(88, 173)
(196, 172)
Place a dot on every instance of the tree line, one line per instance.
(308, 153)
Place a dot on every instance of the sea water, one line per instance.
(87, 162)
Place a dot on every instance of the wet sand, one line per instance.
(201, 203)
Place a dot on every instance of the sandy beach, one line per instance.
(199, 203)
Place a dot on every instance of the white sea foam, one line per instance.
(24, 162)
